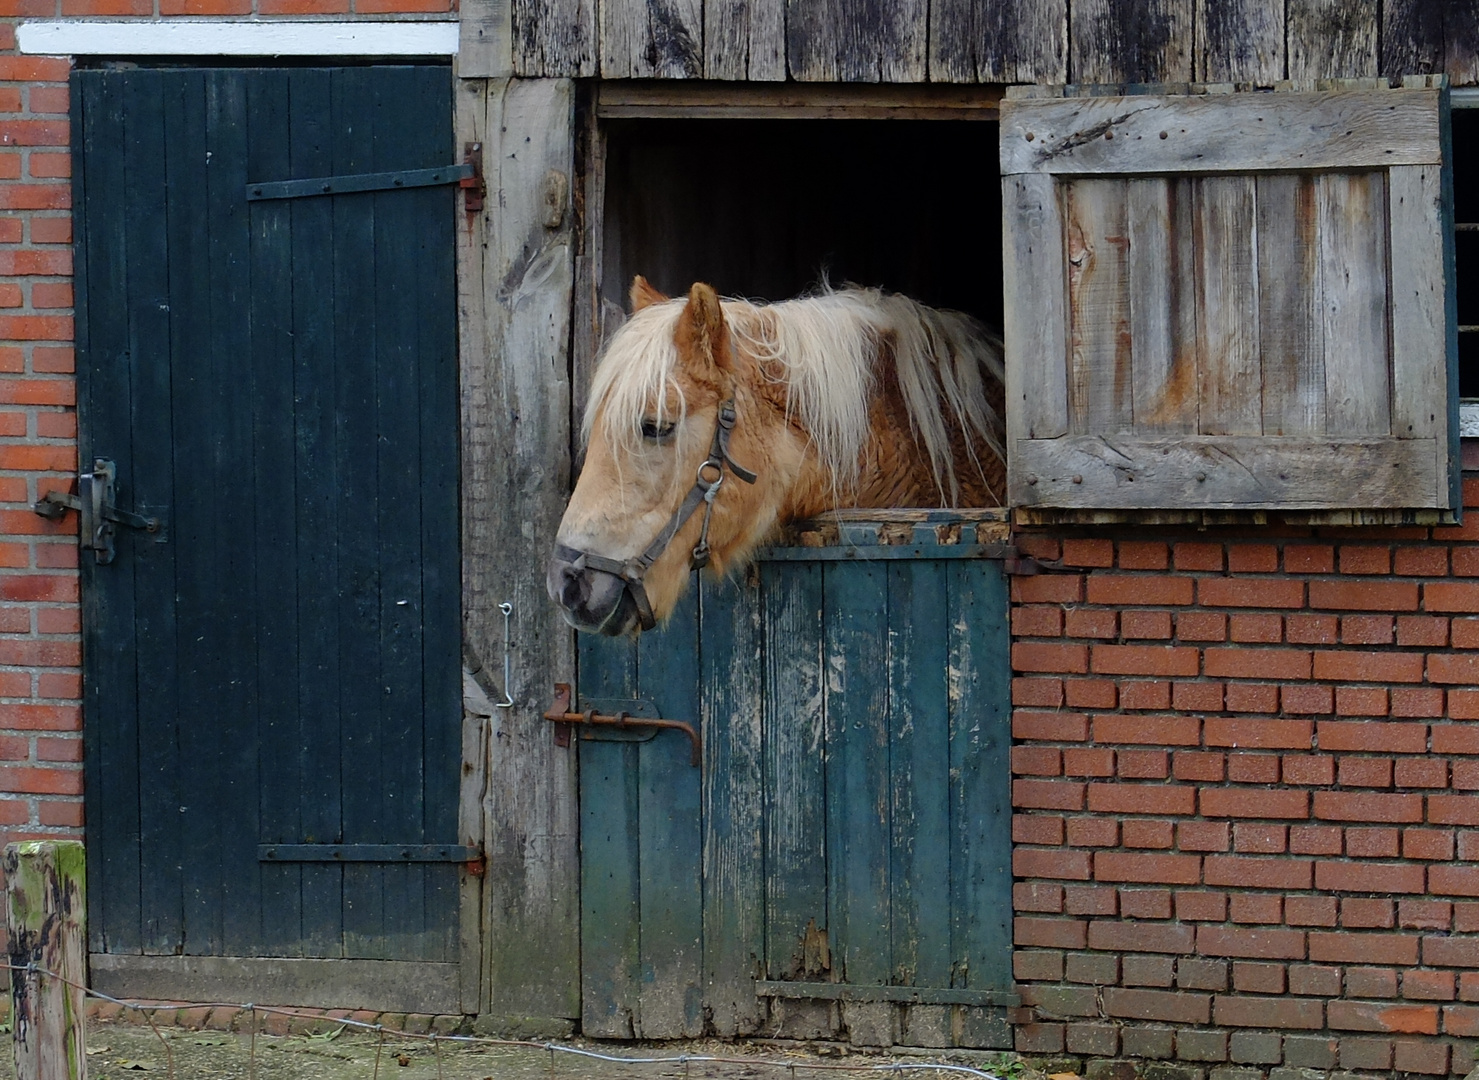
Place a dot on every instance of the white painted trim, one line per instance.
(1468, 419)
(278, 37)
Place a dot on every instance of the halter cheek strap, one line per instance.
(705, 490)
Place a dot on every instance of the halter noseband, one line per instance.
(704, 490)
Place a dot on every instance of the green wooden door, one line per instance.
(840, 865)
(277, 666)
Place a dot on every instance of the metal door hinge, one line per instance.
(473, 188)
(95, 510)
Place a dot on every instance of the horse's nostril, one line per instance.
(574, 587)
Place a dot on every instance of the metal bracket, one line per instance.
(564, 720)
(95, 510)
(472, 185)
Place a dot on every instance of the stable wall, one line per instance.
(1246, 791)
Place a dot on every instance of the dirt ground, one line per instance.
(125, 1051)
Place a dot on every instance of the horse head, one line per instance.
(686, 465)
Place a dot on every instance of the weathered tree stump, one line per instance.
(46, 917)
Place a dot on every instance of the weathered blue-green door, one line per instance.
(272, 678)
(841, 862)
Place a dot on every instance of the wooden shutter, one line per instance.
(1230, 300)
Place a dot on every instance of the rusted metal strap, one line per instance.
(561, 715)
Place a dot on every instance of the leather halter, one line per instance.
(704, 490)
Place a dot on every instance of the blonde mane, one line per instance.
(826, 349)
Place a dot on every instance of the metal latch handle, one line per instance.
(95, 510)
(560, 714)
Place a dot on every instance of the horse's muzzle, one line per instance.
(591, 600)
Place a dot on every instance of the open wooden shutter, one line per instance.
(1230, 300)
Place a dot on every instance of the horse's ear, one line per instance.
(644, 295)
(701, 333)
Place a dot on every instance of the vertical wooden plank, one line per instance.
(110, 690)
(858, 887)
(1239, 41)
(485, 43)
(1412, 37)
(745, 40)
(1227, 358)
(980, 800)
(232, 719)
(641, 40)
(1130, 41)
(1422, 383)
(1163, 315)
(46, 927)
(919, 772)
(734, 892)
(1331, 39)
(1291, 325)
(1461, 45)
(1035, 315)
(550, 38)
(812, 29)
(978, 41)
(1352, 215)
(670, 835)
(1099, 346)
(146, 479)
(796, 925)
(432, 272)
(275, 492)
(516, 462)
(883, 42)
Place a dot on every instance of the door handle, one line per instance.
(96, 513)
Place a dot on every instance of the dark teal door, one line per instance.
(272, 680)
(840, 865)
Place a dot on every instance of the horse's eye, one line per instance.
(655, 431)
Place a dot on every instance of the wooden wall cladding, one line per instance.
(990, 41)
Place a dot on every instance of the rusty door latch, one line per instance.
(565, 722)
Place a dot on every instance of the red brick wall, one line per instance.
(1246, 780)
(40, 649)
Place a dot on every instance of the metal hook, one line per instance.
(508, 663)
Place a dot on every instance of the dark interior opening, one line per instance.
(765, 209)
(1466, 245)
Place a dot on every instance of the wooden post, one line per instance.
(46, 917)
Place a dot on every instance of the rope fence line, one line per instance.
(147, 1009)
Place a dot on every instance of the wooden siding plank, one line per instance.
(515, 476)
(1227, 357)
(110, 691)
(1421, 332)
(745, 40)
(610, 865)
(1338, 129)
(1412, 37)
(146, 479)
(1163, 314)
(1230, 472)
(1099, 367)
(795, 822)
(549, 39)
(979, 41)
(670, 836)
(1331, 39)
(1130, 41)
(1291, 325)
(1352, 214)
(275, 492)
(1035, 314)
(919, 773)
(1239, 41)
(979, 791)
(734, 761)
(857, 776)
(811, 43)
(652, 40)
(485, 40)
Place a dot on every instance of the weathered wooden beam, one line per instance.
(989, 42)
(1331, 39)
(46, 918)
(1130, 41)
(552, 38)
(1239, 41)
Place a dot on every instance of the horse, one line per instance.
(713, 422)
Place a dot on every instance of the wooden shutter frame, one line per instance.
(1056, 472)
